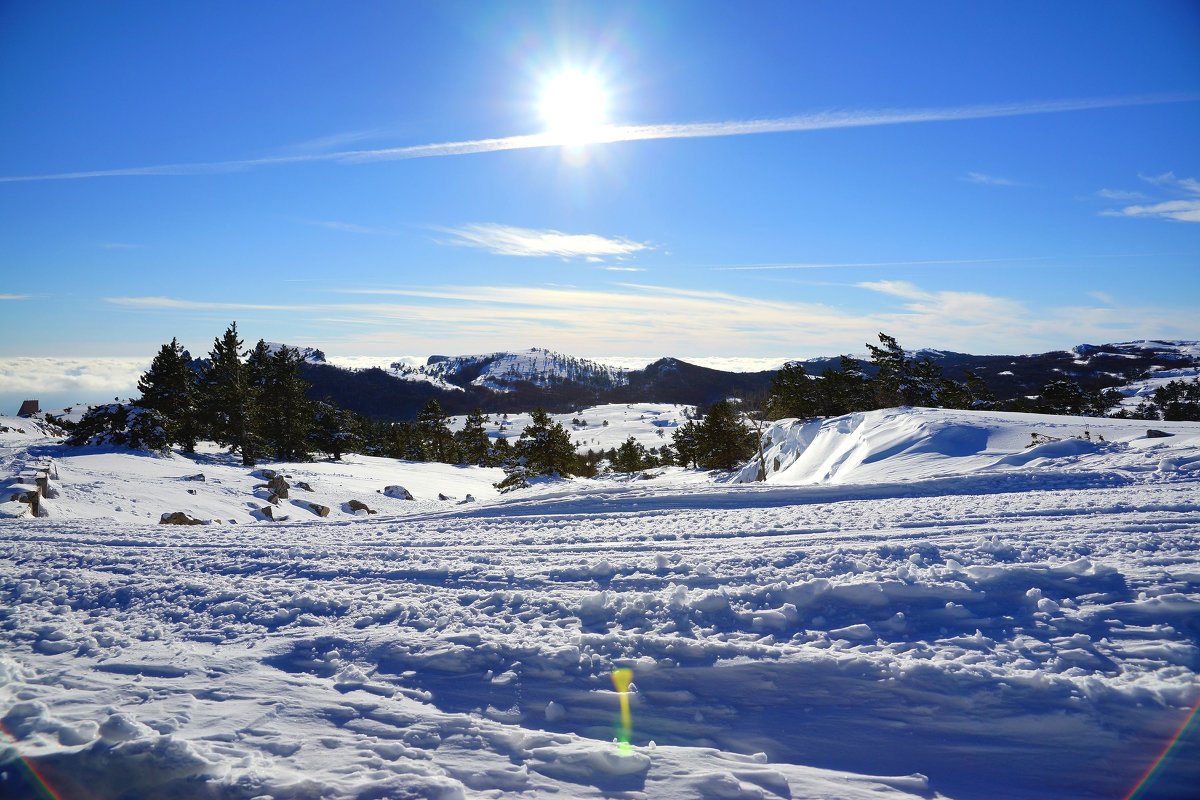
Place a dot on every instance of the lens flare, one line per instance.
(36, 779)
(1154, 766)
(622, 678)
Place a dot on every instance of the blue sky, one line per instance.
(986, 177)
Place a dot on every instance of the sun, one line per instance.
(574, 106)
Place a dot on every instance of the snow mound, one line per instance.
(904, 444)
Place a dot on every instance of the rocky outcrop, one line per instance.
(179, 518)
(304, 486)
(318, 509)
(356, 506)
(398, 492)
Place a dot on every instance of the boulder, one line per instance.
(444, 496)
(398, 492)
(304, 486)
(179, 518)
(358, 505)
(1157, 434)
(266, 474)
(279, 486)
(269, 513)
(468, 499)
(318, 509)
(199, 476)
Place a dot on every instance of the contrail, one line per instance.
(826, 120)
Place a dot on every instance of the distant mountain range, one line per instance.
(521, 380)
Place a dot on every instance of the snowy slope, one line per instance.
(945, 606)
(110, 483)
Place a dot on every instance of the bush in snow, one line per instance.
(123, 426)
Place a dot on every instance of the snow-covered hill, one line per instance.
(501, 372)
(913, 594)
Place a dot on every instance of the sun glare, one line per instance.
(574, 106)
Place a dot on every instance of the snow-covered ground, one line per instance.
(600, 427)
(912, 593)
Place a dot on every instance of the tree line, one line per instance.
(891, 377)
(256, 403)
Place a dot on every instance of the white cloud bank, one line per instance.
(509, 240)
(86, 379)
(824, 120)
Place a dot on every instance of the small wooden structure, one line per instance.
(28, 408)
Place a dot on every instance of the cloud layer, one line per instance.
(646, 319)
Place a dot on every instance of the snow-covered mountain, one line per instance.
(522, 380)
(310, 354)
(504, 371)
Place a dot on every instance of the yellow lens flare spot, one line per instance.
(622, 678)
(574, 106)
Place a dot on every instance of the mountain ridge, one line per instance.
(510, 381)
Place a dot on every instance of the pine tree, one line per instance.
(287, 413)
(229, 402)
(170, 387)
(687, 444)
(474, 445)
(546, 447)
(433, 428)
(843, 390)
(335, 430)
(631, 456)
(725, 441)
(793, 393)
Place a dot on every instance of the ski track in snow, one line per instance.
(990, 622)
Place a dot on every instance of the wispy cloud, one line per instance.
(119, 246)
(508, 240)
(171, 303)
(896, 289)
(824, 120)
(349, 227)
(1121, 195)
(14, 296)
(989, 180)
(1183, 209)
(625, 269)
(916, 263)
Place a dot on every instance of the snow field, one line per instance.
(918, 596)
